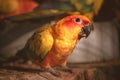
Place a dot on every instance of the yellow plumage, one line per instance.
(52, 44)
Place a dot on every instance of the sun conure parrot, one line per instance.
(51, 45)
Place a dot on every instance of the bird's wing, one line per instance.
(40, 43)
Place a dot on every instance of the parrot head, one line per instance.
(77, 24)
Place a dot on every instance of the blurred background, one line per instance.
(20, 18)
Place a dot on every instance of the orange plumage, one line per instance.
(51, 45)
(65, 34)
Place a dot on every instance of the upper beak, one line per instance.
(86, 31)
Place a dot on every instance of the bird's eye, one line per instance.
(77, 20)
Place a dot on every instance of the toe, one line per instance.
(54, 72)
(66, 69)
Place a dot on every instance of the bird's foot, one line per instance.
(54, 72)
(66, 69)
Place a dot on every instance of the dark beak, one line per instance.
(86, 30)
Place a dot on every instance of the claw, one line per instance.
(54, 72)
(66, 69)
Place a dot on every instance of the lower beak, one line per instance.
(86, 30)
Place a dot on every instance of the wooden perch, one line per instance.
(92, 71)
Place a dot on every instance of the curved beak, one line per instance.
(86, 30)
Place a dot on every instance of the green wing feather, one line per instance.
(40, 43)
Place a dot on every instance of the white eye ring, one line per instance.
(78, 20)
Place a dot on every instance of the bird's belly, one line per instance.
(59, 53)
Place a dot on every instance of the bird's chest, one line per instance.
(63, 48)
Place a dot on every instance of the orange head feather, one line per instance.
(78, 25)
